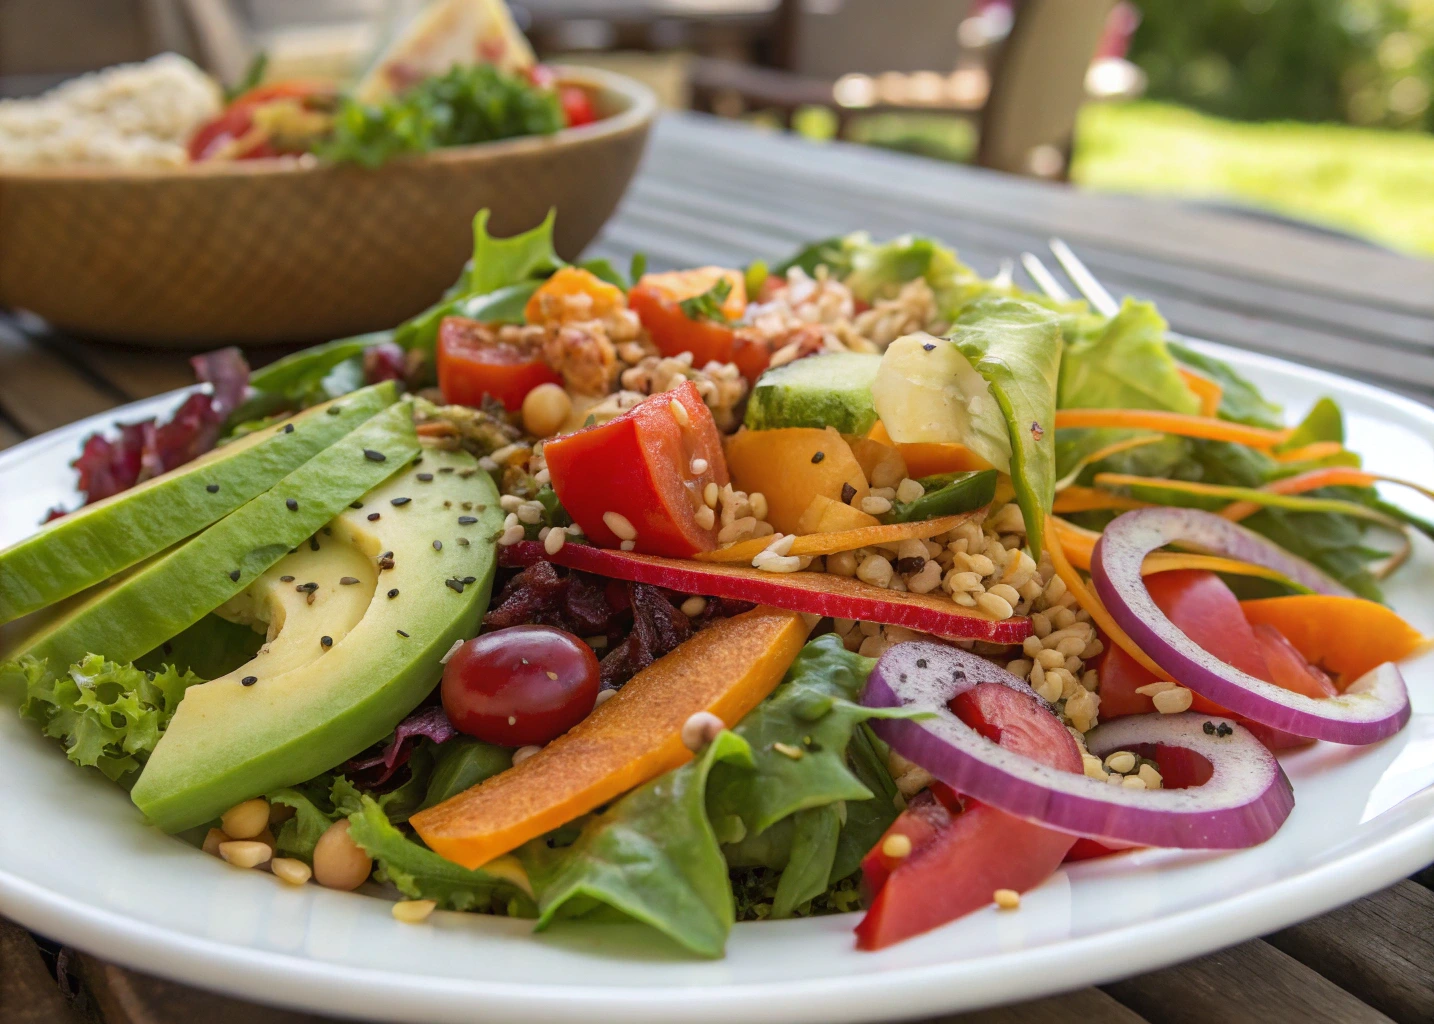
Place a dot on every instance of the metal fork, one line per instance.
(1086, 283)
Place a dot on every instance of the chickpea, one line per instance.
(339, 862)
(246, 820)
(545, 409)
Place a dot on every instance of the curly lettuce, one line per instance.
(106, 715)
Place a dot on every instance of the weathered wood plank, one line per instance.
(40, 391)
(128, 997)
(1252, 983)
(1086, 1005)
(135, 372)
(1380, 949)
(28, 994)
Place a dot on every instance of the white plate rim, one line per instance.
(332, 988)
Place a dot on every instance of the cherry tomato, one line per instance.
(577, 105)
(521, 685)
(640, 466)
(1207, 611)
(236, 121)
(470, 365)
(961, 851)
(657, 300)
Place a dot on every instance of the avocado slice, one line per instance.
(137, 613)
(311, 706)
(832, 389)
(95, 542)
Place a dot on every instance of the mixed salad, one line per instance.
(853, 583)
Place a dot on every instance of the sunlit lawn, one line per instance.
(1379, 184)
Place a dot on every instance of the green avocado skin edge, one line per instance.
(231, 743)
(95, 542)
(178, 589)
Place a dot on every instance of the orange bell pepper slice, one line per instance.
(549, 305)
(927, 459)
(1345, 636)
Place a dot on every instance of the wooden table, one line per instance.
(716, 193)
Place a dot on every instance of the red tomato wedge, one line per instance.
(577, 105)
(641, 466)
(1207, 611)
(471, 365)
(657, 299)
(960, 855)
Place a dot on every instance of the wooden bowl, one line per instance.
(274, 251)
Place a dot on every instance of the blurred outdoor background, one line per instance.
(1317, 110)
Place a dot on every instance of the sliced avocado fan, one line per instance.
(394, 591)
(173, 591)
(95, 542)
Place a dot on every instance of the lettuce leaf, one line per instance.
(106, 715)
(877, 270)
(1125, 366)
(300, 834)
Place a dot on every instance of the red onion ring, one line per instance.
(1370, 709)
(1246, 800)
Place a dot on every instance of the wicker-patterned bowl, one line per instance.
(289, 251)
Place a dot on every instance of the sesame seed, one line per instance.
(334, 410)
(326, 641)
(446, 469)
(374, 456)
(347, 581)
(234, 575)
(314, 543)
(401, 633)
(467, 520)
(426, 477)
(393, 593)
(438, 545)
(628, 545)
(699, 466)
(620, 525)
(787, 750)
(679, 413)
(385, 560)
(307, 588)
(248, 680)
(454, 585)
(400, 501)
(288, 428)
(470, 579)
(928, 347)
(373, 517)
(818, 457)
(212, 488)
(847, 493)
(1209, 728)
(417, 462)
(286, 579)
(462, 542)
(292, 504)
(1006, 899)
(551, 675)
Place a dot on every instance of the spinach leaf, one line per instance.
(1241, 401)
(461, 764)
(809, 866)
(1016, 346)
(298, 374)
(866, 820)
(1324, 422)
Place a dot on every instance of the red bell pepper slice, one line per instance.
(657, 299)
(651, 466)
(471, 365)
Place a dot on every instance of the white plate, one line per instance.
(78, 864)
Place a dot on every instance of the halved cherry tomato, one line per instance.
(471, 365)
(962, 851)
(235, 124)
(1207, 611)
(577, 105)
(644, 467)
(657, 299)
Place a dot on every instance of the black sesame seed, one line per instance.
(920, 662)
(347, 581)
(1209, 728)
(326, 641)
(847, 493)
(466, 473)
(373, 517)
(454, 585)
(393, 593)
(234, 575)
(400, 501)
(292, 504)
(307, 588)
(446, 469)
(212, 488)
(426, 477)
(248, 680)
(401, 633)
(928, 347)
(467, 520)
(462, 542)
(328, 531)
(418, 461)
(355, 504)
(374, 456)
(438, 545)
(288, 428)
(818, 457)
(314, 543)
(470, 579)
(334, 410)
(286, 579)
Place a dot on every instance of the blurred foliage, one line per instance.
(1368, 62)
(1370, 182)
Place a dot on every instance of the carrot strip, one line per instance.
(1309, 452)
(1092, 605)
(1091, 499)
(1333, 476)
(1208, 391)
(843, 540)
(1171, 423)
(1257, 496)
(1105, 453)
(1078, 544)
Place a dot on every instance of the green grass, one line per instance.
(1379, 184)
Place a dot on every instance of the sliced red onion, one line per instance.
(1246, 800)
(1370, 709)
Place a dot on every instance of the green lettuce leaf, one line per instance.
(1016, 346)
(1324, 422)
(653, 856)
(1241, 401)
(300, 834)
(106, 715)
(1126, 366)
(809, 866)
(421, 874)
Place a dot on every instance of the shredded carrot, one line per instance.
(1171, 423)
(437, 428)
(1309, 452)
(842, 540)
(1092, 499)
(1105, 453)
(1208, 391)
(1333, 476)
(1077, 543)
